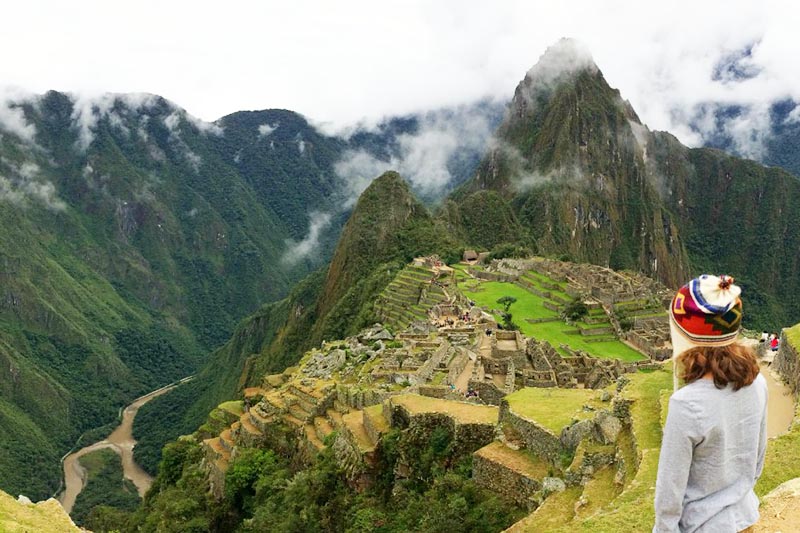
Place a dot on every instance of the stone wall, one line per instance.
(786, 363)
(457, 366)
(466, 437)
(357, 398)
(514, 486)
(434, 391)
(488, 392)
(538, 440)
(358, 467)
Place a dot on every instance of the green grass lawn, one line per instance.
(528, 305)
(552, 408)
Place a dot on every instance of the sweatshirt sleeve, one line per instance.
(762, 437)
(674, 463)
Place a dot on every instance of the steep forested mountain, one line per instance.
(387, 228)
(573, 171)
(134, 238)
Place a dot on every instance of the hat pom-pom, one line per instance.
(725, 282)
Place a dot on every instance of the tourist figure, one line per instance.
(773, 344)
(715, 436)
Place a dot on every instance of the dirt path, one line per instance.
(122, 442)
(781, 405)
(462, 382)
(780, 409)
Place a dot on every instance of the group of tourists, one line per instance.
(771, 339)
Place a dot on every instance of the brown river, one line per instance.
(122, 442)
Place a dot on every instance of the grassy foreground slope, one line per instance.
(43, 517)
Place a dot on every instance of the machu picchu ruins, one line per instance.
(442, 358)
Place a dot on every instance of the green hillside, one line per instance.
(387, 228)
(134, 239)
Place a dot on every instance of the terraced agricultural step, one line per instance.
(226, 440)
(309, 394)
(257, 419)
(408, 283)
(512, 473)
(416, 274)
(375, 423)
(276, 401)
(335, 418)
(293, 421)
(597, 493)
(297, 411)
(556, 511)
(217, 449)
(400, 300)
(354, 423)
(254, 392)
(311, 436)
(248, 426)
(292, 400)
(323, 427)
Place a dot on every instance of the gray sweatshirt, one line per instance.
(712, 454)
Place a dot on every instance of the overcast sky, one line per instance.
(341, 61)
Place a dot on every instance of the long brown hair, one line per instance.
(735, 364)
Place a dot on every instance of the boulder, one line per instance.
(552, 484)
(572, 436)
(607, 428)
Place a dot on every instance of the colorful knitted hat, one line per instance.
(707, 311)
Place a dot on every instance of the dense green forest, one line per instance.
(105, 485)
(264, 492)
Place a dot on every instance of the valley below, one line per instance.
(121, 441)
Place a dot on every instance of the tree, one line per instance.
(506, 302)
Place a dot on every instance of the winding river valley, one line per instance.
(122, 442)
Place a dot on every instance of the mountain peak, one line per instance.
(565, 57)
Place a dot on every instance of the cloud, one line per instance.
(89, 109)
(173, 122)
(120, 108)
(265, 129)
(566, 56)
(209, 128)
(12, 117)
(22, 183)
(297, 251)
(425, 157)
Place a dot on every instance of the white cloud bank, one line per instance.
(21, 184)
(12, 117)
(423, 157)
